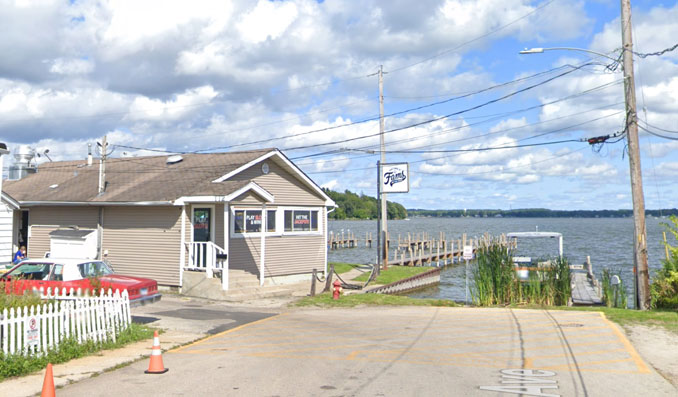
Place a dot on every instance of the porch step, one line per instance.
(243, 286)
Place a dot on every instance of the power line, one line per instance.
(374, 118)
(483, 149)
(656, 53)
(672, 138)
(502, 168)
(658, 128)
(491, 32)
(440, 118)
(447, 115)
(392, 143)
(397, 113)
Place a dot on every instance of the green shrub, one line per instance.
(17, 364)
(664, 288)
(613, 296)
(495, 281)
(9, 300)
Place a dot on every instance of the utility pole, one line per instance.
(102, 166)
(639, 233)
(384, 212)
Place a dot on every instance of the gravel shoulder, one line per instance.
(658, 347)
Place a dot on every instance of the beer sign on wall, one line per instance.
(396, 178)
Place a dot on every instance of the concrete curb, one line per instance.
(85, 367)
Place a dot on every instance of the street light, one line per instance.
(538, 50)
(639, 231)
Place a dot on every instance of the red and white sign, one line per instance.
(32, 332)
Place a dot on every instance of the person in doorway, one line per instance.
(20, 255)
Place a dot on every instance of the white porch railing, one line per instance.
(208, 257)
(34, 331)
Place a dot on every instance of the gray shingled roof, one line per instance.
(133, 179)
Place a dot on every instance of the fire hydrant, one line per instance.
(337, 289)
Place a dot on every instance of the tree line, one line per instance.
(354, 206)
(536, 213)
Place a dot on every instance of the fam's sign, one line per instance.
(396, 178)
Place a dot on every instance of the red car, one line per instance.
(86, 274)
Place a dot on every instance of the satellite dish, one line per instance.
(174, 159)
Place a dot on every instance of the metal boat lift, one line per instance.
(559, 236)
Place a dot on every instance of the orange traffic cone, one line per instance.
(48, 384)
(156, 366)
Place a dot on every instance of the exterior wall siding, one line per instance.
(245, 254)
(44, 220)
(286, 255)
(286, 189)
(144, 241)
(248, 199)
(6, 228)
(219, 225)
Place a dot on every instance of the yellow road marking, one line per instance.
(586, 364)
(642, 367)
(180, 348)
(587, 353)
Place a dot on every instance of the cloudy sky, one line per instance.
(301, 76)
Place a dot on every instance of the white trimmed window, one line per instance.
(279, 221)
(249, 221)
(301, 220)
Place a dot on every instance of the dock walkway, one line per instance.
(584, 290)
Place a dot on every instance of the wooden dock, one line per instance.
(347, 240)
(585, 288)
(426, 251)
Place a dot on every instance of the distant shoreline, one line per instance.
(536, 213)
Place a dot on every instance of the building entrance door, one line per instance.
(203, 231)
(202, 224)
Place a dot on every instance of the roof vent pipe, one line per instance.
(22, 166)
(89, 154)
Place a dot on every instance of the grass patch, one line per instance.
(18, 365)
(394, 273)
(667, 319)
(352, 300)
(341, 267)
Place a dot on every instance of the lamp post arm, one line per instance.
(540, 50)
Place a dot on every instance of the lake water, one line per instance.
(608, 241)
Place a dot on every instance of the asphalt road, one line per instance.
(403, 351)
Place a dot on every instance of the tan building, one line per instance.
(160, 216)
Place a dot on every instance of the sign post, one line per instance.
(391, 178)
(468, 255)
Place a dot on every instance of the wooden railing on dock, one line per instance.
(417, 249)
(424, 250)
(348, 240)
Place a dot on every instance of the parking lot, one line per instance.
(400, 351)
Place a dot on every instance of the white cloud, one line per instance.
(336, 163)
(71, 66)
(144, 108)
(221, 74)
(332, 185)
(268, 20)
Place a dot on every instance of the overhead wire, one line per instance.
(439, 118)
(374, 118)
(477, 38)
(514, 93)
(465, 126)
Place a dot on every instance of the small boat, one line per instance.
(524, 264)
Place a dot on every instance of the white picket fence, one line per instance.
(71, 314)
